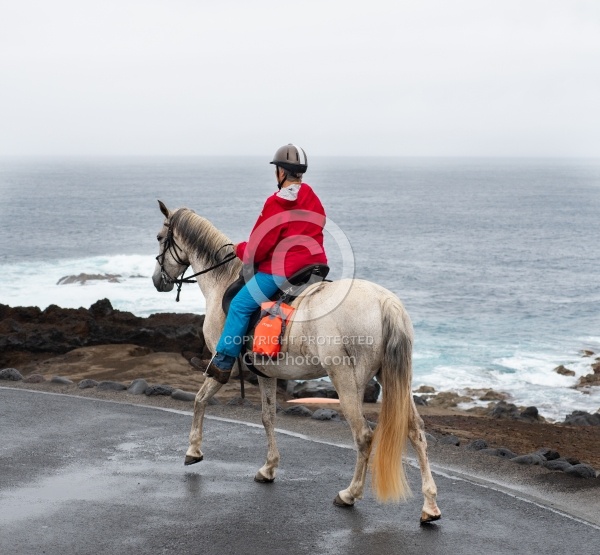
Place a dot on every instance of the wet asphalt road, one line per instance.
(81, 476)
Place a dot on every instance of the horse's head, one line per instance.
(171, 261)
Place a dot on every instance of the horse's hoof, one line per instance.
(192, 460)
(339, 502)
(262, 480)
(426, 518)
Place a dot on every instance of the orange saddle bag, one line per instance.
(271, 327)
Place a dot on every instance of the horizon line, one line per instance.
(319, 156)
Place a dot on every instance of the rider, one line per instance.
(287, 236)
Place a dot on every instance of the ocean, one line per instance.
(496, 260)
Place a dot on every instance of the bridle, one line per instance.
(171, 246)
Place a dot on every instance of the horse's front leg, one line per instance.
(268, 392)
(209, 388)
(416, 434)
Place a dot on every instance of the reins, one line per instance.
(170, 242)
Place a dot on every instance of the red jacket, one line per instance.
(288, 234)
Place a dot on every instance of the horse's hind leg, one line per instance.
(209, 388)
(351, 395)
(268, 391)
(416, 434)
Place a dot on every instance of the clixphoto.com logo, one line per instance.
(299, 361)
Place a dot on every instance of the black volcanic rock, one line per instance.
(420, 400)
(325, 389)
(449, 440)
(582, 418)
(315, 388)
(581, 471)
(101, 308)
(137, 387)
(531, 459)
(548, 454)
(325, 414)
(28, 334)
(11, 374)
(477, 445)
(159, 389)
(502, 409)
(298, 410)
(557, 465)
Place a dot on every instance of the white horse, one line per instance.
(338, 312)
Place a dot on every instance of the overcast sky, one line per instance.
(241, 77)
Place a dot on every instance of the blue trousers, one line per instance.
(258, 290)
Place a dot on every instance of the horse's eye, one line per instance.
(159, 238)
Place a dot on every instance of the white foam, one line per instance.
(528, 378)
(35, 284)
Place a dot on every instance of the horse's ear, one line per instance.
(163, 208)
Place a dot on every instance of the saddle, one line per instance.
(288, 291)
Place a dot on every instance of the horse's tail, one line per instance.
(391, 433)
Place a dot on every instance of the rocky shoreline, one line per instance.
(102, 351)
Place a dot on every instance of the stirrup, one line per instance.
(212, 370)
(222, 376)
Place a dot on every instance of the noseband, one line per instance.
(172, 248)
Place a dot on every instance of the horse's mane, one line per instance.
(205, 240)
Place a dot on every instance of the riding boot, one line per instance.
(214, 369)
(219, 374)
